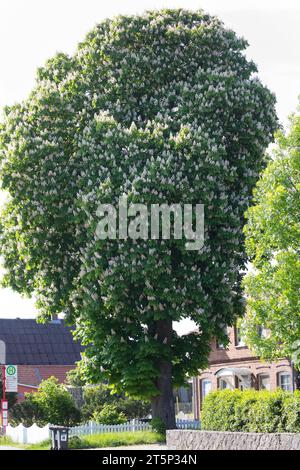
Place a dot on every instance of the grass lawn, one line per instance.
(115, 439)
(110, 439)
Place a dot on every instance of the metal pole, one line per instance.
(3, 395)
(3, 383)
(293, 375)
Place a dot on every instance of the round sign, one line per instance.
(11, 370)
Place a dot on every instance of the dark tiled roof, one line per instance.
(32, 343)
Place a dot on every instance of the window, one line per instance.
(226, 382)
(183, 399)
(264, 382)
(285, 381)
(223, 384)
(244, 382)
(205, 388)
(239, 341)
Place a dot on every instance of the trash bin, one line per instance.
(59, 437)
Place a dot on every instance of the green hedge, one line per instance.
(251, 411)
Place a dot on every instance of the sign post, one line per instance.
(9, 384)
(4, 403)
(11, 378)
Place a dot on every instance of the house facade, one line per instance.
(39, 350)
(237, 367)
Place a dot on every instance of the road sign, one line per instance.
(4, 404)
(11, 373)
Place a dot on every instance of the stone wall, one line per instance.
(178, 439)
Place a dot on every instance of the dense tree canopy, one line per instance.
(164, 108)
(273, 243)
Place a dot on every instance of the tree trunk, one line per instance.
(163, 405)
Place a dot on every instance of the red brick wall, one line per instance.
(29, 377)
(237, 356)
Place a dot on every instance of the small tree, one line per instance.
(97, 397)
(75, 378)
(273, 240)
(51, 404)
(163, 108)
(109, 414)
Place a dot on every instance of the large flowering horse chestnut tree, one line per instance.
(163, 108)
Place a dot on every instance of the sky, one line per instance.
(31, 31)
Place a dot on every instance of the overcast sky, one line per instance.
(31, 31)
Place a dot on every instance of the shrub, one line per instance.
(266, 412)
(51, 404)
(27, 412)
(95, 398)
(218, 411)
(291, 412)
(158, 425)
(133, 408)
(109, 415)
(251, 411)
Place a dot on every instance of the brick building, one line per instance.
(236, 367)
(39, 350)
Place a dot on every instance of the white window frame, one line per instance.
(203, 381)
(260, 381)
(282, 374)
(228, 380)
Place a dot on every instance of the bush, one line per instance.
(251, 411)
(133, 408)
(109, 415)
(95, 398)
(291, 412)
(50, 404)
(266, 413)
(27, 412)
(158, 425)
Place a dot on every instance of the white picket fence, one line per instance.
(34, 434)
(96, 428)
(31, 435)
(188, 424)
(131, 426)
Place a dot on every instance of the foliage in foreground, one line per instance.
(272, 241)
(51, 404)
(251, 411)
